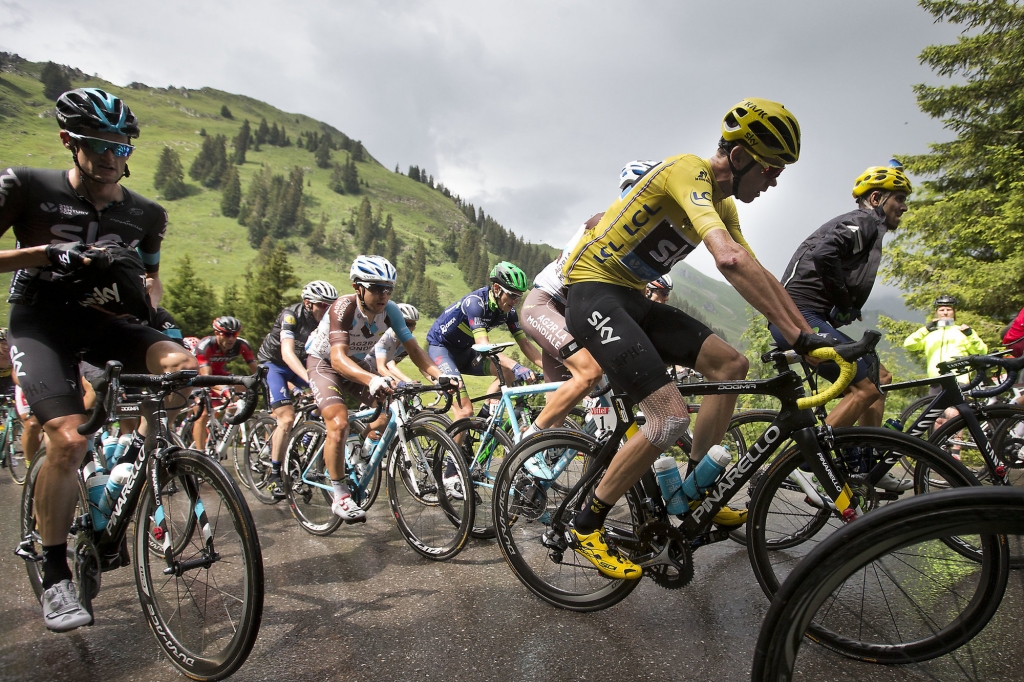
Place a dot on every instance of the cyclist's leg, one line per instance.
(281, 407)
(717, 361)
(328, 388)
(32, 431)
(544, 322)
(456, 362)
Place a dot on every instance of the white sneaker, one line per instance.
(453, 486)
(891, 484)
(348, 510)
(61, 609)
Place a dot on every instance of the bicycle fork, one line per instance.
(835, 493)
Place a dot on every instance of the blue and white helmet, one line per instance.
(373, 270)
(319, 291)
(663, 283)
(633, 171)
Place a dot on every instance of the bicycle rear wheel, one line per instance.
(888, 614)
(434, 521)
(484, 457)
(257, 468)
(206, 613)
(16, 462)
(306, 481)
(523, 509)
(886, 539)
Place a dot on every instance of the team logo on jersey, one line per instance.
(600, 324)
(289, 319)
(700, 199)
(49, 207)
(7, 180)
(702, 176)
(663, 247)
(135, 211)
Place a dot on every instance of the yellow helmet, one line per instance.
(889, 178)
(765, 128)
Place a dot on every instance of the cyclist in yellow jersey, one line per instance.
(679, 203)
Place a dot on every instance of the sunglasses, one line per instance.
(767, 170)
(378, 289)
(100, 146)
(513, 296)
(227, 334)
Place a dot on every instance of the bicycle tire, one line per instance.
(483, 473)
(310, 504)
(887, 532)
(520, 505)
(435, 523)
(238, 459)
(778, 507)
(180, 612)
(16, 463)
(998, 422)
(257, 466)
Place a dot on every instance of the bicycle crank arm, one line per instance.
(25, 551)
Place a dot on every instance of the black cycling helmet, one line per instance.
(88, 109)
(227, 325)
(509, 276)
(945, 300)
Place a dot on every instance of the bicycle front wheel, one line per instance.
(484, 455)
(306, 481)
(16, 462)
(257, 468)
(435, 519)
(206, 611)
(523, 508)
(886, 539)
(936, 596)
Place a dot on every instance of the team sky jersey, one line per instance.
(345, 323)
(294, 322)
(389, 348)
(209, 354)
(43, 208)
(666, 214)
(455, 326)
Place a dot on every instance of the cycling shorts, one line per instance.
(819, 323)
(278, 378)
(330, 387)
(20, 404)
(543, 319)
(48, 341)
(632, 337)
(459, 361)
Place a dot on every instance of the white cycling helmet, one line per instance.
(409, 312)
(663, 283)
(633, 171)
(373, 270)
(319, 291)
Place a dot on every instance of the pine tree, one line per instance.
(317, 240)
(429, 298)
(225, 112)
(253, 212)
(366, 235)
(262, 132)
(323, 153)
(218, 163)
(175, 188)
(232, 197)
(241, 144)
(267, 281)
(357, 151)
(190, 300)
(55, 81)
(274, 136)
(337, 181)
(450, 245)
(350, 178)
(231, 302)
(167, 167)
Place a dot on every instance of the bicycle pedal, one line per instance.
(349, 522)
(25, 551)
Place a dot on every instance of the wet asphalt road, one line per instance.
(361, 603)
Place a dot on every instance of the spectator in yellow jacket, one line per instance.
(942, 339)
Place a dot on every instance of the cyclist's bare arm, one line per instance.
(786, 299)
(755, 284)
(530, 350)
(420, 358)
(16, 259)
(291, 359)
(392, 369)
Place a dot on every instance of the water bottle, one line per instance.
(109, 447)
(671, 483)
(369, 445)
(353, 448)
(122, 443)
(112, 490)
(894, 424)
(706, 473)
(95, 483)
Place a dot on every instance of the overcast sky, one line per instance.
(531, 108)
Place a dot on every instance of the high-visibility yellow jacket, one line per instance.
(944, 343)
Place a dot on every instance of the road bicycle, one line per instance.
(256, 461)
(12, 455)
(198, 564)
(435, 523)
(222, 434)
(889, 548)
(640, 528)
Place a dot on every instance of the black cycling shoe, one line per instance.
(276, 487)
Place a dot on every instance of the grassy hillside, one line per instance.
(216, 244)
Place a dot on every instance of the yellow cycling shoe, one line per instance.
(727, 517)
(594, 549)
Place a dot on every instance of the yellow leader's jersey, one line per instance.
(654, 225)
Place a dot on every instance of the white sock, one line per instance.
(340, 489)
(531, 430)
